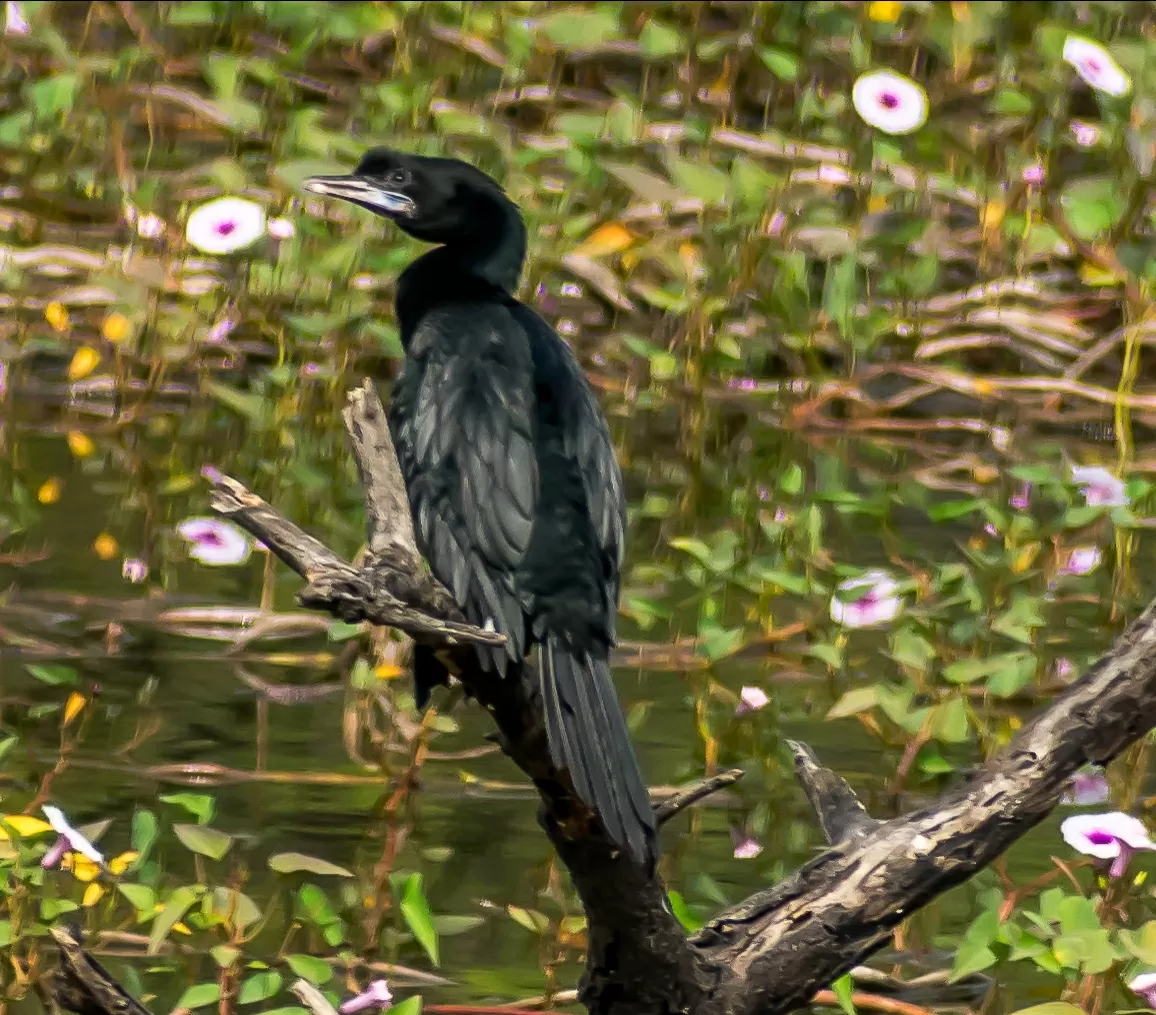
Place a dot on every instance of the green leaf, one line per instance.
(1093, 205)
(709, 185)
(844, 987)
(232, 907)
(448, 926)
(143, 898)
(200, 805)
(314, 906)
(259, 987)
(245, 403)
(225, 955)
(784, 65)
(658, 39)
(54, 94)
(682, 912)
(1052, 1008)
(949, 721)
(573, 29)
(55, 674)
(410, 1006)
(316, 971)
(178, 904)
(207, 841)
(415, 909)
(144, 833)
(288, 863)
(971, 958)
(50, 909)
(199, 995)
(645, 184)
(854, 701)
(531, 919)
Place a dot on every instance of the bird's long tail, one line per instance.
(588, 737)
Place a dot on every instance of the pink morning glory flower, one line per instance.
(1083, 560)
(225, 225)
(880, 603)
(890, 102)
(1100, 487)
(1144, 986)
(1087, 788)
(1096, 66)
(215, 541)
(751, 699)
(1113, 836)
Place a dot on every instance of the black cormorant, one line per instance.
(516, 495)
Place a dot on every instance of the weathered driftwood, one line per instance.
(772, 952)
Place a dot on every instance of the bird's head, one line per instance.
(438, 200)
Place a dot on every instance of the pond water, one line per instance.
(785, 418)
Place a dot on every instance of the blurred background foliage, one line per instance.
(824, 350)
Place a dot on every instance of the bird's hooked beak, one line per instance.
(363, 191)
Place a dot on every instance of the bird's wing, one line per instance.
(587, 442)
(462, 418)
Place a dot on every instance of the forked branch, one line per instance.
(772, 952)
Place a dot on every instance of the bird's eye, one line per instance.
(398, 177)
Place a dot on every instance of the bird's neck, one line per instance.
(482, 262)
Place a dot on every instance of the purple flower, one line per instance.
(55, 853)
(1087, 788)
(134, 570)
(1086, 134)
(1022, 497)
(879, 604)
(1096, 66)
(890, 102)
(14, 21)
(215, 541)
(1100, 487)
(1082, 560)
(751, 699)
(1113, 836)
(222, 329)
(1065, 667)
(1033, 174)
(376, 995)
(1144, 986)
(746, 846)
(150, 226)
(225, 225)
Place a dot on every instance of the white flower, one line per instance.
(225, 225)
(134, 569)
(14, 21)
(215, 541)
(1113, 836)
(150, 226)
(751, 699)
(1145, 986)
(281, 228)
(1100, 487)
(1096, 66)
(1083, 560)
(76, 842)
(890, 102)
(879, 604)
(748, 849)
(376, 995)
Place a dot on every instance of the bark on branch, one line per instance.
(772, 952)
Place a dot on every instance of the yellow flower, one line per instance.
(80, 444)
(83, 869)
(74, 706)
(116, 328)
(104, 546)
(57, 316)
(92, 895)
(884, 11)
(83, 363)
(611, 238)
(49, 492)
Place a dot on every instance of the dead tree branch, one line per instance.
(771, 953)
